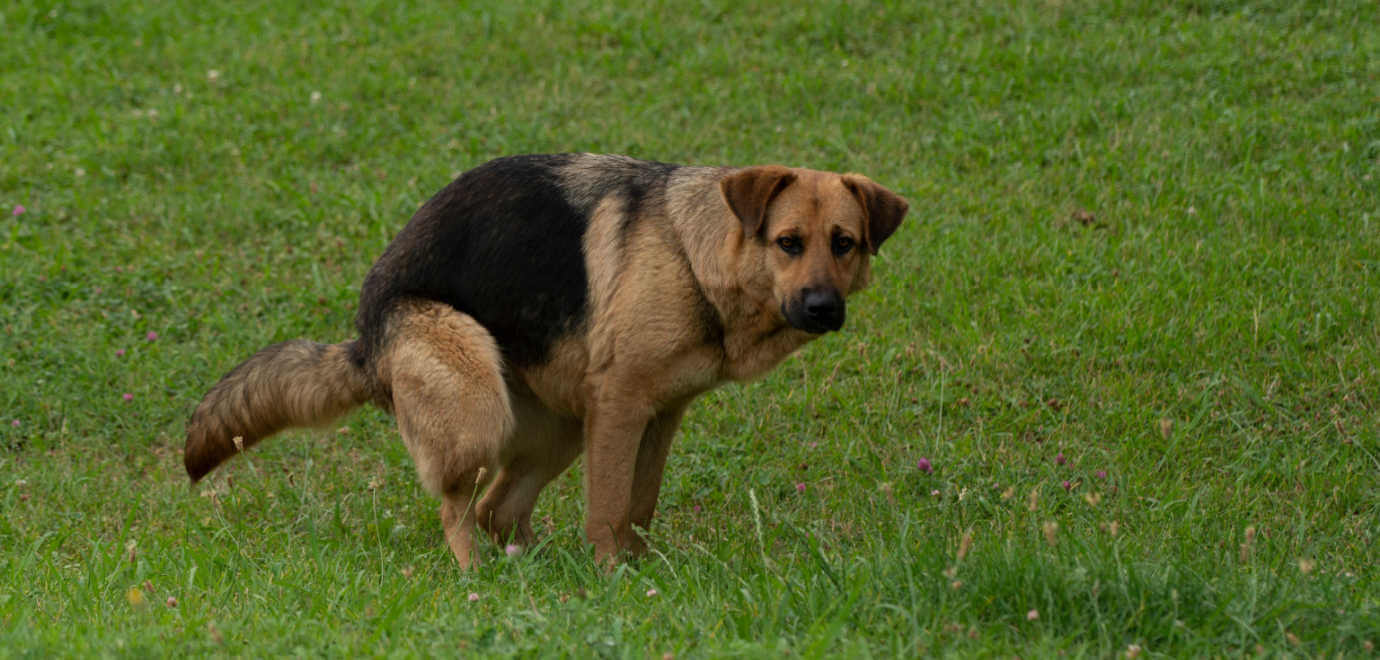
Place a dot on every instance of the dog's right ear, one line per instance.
(885, 209)
(750, 190)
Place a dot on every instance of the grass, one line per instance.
(1143, 243)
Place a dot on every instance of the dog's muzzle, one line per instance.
(817, 310)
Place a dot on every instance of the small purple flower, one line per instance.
(1061, 459)
(151, 336)
(934, 493)
(512, 549)
(924, 465)
(474, 597)
(119, 352)
(697, 508)
(1101, 474)
(15, 423)
(19, 209)
(1067, 485)
(800, 487)
(128, 396)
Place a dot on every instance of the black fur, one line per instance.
(642, 188)
(501, 243)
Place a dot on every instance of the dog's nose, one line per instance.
(824, 308)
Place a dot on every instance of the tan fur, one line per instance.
(449, 397)
(295, 383)
(452, 407)
(543, 446)
(688, 294)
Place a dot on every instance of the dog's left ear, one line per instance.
(884, 208)
(750, 190)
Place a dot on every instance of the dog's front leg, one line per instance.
(651, 463)
(614, 426)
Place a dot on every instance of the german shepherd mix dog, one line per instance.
(539, 306)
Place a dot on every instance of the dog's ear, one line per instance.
(749, 191)
(884, 208)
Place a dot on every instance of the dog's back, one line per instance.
(503, 244)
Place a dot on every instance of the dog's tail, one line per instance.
(295, 383)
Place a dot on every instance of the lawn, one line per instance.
(1115, 389)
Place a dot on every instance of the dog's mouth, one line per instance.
(815, 311)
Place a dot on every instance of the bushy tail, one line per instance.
(295, 383)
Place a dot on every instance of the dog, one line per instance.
(541, 306)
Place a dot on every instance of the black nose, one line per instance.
(823, 309)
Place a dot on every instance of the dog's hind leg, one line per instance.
(542, 446)
(452, 406)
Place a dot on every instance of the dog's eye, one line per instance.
(842, 245)
(790, 245)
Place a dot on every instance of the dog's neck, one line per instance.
(713, 239)
(759, 336)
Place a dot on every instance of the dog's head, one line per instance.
(815, 232)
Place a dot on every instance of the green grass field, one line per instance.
(1131, 322)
